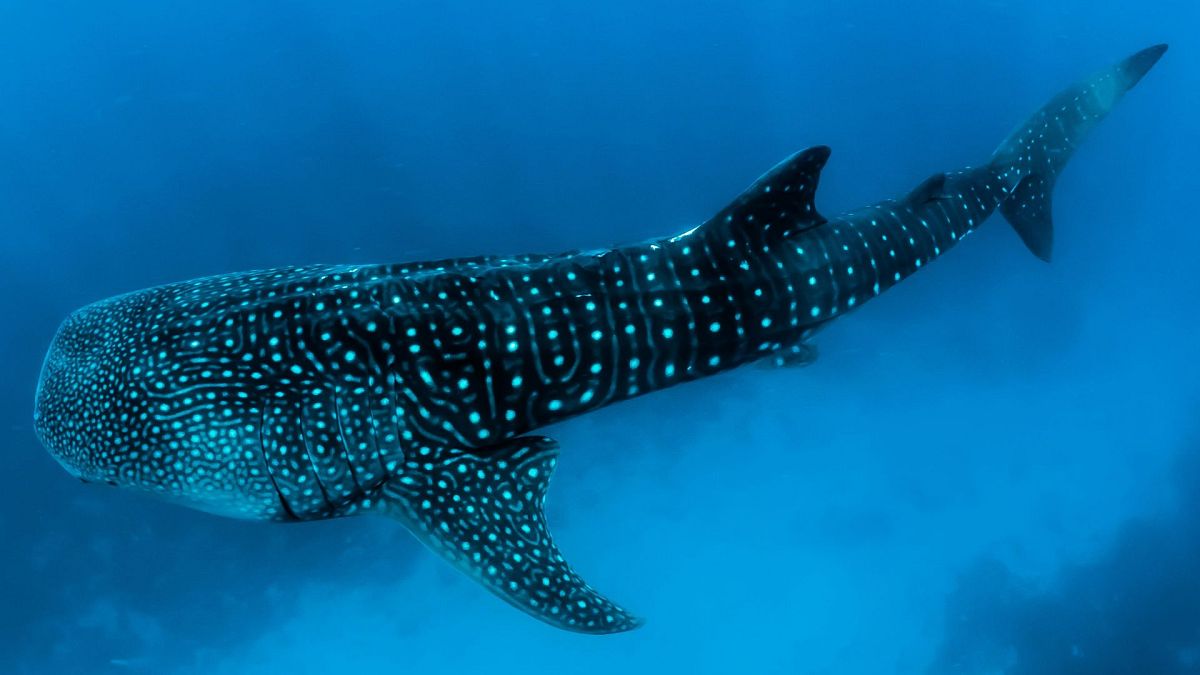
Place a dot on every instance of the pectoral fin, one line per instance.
(483, 513)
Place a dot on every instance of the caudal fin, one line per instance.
(1031, 158)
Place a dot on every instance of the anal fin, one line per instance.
(482, 511)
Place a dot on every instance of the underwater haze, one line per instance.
(995, 468)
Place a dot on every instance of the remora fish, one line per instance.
(411, 389)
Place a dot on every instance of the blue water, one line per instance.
(993, 468)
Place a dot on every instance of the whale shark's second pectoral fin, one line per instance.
(799, 355)
(482, 511)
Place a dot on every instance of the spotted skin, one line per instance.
(412, 390)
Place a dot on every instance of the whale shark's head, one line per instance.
(77, 411)
(139, 392)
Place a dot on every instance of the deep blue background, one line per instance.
(993, 467)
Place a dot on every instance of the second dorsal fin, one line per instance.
(782, 199)
(930, 189)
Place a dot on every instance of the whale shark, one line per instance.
(415, 390)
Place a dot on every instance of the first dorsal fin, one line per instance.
(782, 199)
(484, 514)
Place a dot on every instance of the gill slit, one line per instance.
(262, 449)
(337, 413)
(312, 463)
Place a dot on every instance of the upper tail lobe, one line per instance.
(1031, 158)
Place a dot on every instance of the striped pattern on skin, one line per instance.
(411, 390)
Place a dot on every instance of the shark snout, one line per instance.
(69, 404)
